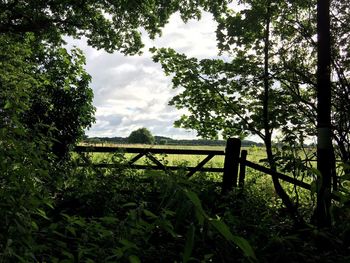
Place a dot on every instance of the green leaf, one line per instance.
(242, 243)
(35, 226)
(222, 228)
(127, 244)
(69, 255)
(7, 105)
(195, 201)
(130, 204)
(315, 171)
(41, 213)
(72, 230)
(345, 177)
(189, 244)
(314, 187)
(149, 214)
(109, 220)
(167, 226)
(134, 259)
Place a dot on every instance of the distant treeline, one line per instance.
(168, 141)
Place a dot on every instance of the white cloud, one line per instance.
(132, 91)
(195, 38)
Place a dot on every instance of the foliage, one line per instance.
(111, 25)
(225, 96)
(41, 86)
(30, 128)
(142, 135)
(124, 216)
(64, 101)
(268, 85)
(340, 83)
(233, 89)
(24, 166)
(56, 100)
(144, 220)
(237, 97)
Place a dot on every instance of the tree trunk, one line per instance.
(267, 129)
(325, 152)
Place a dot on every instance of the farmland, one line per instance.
(183, 161)
(255, 154)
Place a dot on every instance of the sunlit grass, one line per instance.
(255, 154)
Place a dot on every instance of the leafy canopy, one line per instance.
(225, 96)
(111, 25)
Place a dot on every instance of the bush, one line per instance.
(142, 136)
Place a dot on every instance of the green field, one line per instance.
(255, 154)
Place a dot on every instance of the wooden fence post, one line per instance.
(231, 163)
(242, 168)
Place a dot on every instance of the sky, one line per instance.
(131, 92)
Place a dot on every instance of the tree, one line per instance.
(63, 103)
(340, 86)
(111, 25)
(142, 136)
(23, 157)
(242, 96)
(269, 85)
(325, 152)
(58, 102)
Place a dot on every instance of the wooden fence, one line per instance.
(157, 164)
(234, 169)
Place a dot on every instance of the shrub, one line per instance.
(142, 136)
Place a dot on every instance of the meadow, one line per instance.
(255, 154)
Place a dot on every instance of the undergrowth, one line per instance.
(120, 215)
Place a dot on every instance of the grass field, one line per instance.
(255, 154)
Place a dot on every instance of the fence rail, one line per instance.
(157, 165)
(234, 169)
(153, 150)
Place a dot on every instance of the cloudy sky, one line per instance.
(132, 91)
